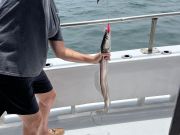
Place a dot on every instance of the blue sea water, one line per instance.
(125, 36)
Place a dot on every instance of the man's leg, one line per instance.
(31, 123)
(17, 97)
(46, 95)
(46, 101)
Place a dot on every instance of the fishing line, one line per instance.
(108, 10)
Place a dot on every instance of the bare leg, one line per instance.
(46, 101)
(31, 123)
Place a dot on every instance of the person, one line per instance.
(174, 126)
(24, 35)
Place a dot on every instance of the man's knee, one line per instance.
(47, 99)
(53, 95)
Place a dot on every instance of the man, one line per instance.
(24, 34)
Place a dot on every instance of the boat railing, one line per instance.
(153, 17)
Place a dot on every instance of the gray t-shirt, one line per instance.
(23, 37)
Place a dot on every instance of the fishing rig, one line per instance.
(105, 48)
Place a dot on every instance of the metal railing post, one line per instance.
(73, 109)
(152, 35)
(150, 48)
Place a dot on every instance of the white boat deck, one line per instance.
(143, 90)
(146, 127)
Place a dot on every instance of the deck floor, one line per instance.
(146, 127)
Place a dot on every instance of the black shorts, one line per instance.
(17, 94)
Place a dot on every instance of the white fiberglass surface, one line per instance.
(148, 127)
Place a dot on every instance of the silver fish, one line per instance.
(105, 48)
(97, 1)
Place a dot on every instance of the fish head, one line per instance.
(106, 42)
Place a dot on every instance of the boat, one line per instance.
(143, 83)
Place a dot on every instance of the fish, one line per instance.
(105, 48)
(97, 1)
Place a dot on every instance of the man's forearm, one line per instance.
(74, 56)
(70, 55)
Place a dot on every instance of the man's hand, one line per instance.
(99, 56)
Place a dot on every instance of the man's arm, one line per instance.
(70, 55)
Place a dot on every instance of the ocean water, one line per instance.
(125, 36)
